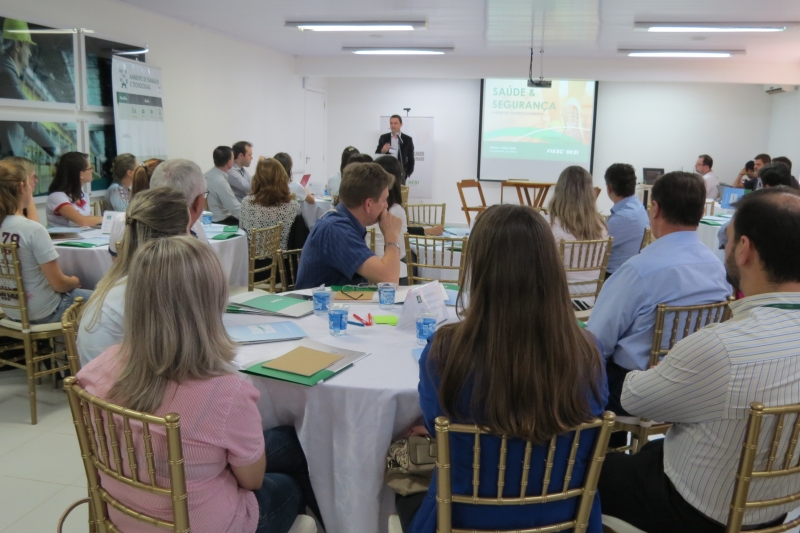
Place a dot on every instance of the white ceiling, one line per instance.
(496, 28)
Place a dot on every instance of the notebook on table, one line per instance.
(260, 302)
(261, 333)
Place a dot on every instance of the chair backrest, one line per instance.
(442, 253)
(684, 320)
(264, 244)
(70, 321)
(469, 184)
(782, 459)
(404, 195)
(370, 238)
(12, 291)
(585, 492)
(586, 256)
(709, 209)
(289, 264)
(647, 238)
(335, 199)
(539, 190)
(107, 442)
(97, 208)
(425, 214)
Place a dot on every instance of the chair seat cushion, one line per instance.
(35, 328)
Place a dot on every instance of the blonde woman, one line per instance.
(151, 215)
(30, 210)
(118, 194)
(175, 356)
(49, 292)
(574, 217)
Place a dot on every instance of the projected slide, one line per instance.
(533, 134)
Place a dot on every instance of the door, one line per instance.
(315, 138)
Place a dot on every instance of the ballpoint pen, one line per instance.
(359, 324)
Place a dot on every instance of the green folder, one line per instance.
(581, 324)
(224, 236)
(78, 244)
(308, 381)
(230, 229)
(450, 286)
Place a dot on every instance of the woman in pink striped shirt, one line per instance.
(175, 356)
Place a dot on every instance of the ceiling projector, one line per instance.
(541, 83)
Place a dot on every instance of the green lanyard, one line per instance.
(783, 306)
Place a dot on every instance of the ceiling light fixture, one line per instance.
(682, 53)
(713, 27)
(51, 31)
(357, 26)
(398, 51)
(130, 52)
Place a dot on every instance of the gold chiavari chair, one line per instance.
(289, 264)
(370, 238)
(264, 244)
(582, 257)
(585, 492)
(685, 320)
(425, 214)
(597, 191)
(404, 195)
(709, 209)
(434, 252)
(335, 199)
(70, 321)
(471, 184)
(97, 208)
(646, 239)
(105, 432)
(12, 296)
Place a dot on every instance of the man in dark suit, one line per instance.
(399, 145)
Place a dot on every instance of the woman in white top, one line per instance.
(300, 192)
(30, 211)
(118, 193)
(152, 214)
(67, 204)
(49, 292)
(574, 217)
(395, 200)
(336, 180)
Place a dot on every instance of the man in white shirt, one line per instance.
(703, 167)
(705, 385)
(238, 178)
(222, 203)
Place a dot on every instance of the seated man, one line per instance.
(628, 218)
(707, 381)
(224, 207)
(677, 269)
(336, 252)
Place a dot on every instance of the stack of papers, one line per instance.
(260, 333)
(260, 302)
(89, 242)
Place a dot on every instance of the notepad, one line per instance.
(303, 361)
(258, 302)
(268, 332)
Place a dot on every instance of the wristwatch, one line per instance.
(391, 244)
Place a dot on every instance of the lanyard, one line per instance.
(783, 306)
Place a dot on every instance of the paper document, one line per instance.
(428, 297)
(303, 361)
(271, 332)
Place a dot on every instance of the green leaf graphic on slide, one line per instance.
(539, 134)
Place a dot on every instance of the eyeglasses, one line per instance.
(361, 287)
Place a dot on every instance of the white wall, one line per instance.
(645, 124)
(784, 132)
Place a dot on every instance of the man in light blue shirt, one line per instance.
(677, 270)
(238, 177)
(628, 218)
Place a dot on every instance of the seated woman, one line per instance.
(30, 212)
(48, 290)
(269, 204)
(300, 192)
(336, 180)
(175, 356)
(395, 202)
(118, 193)
(574, 217)
(151, 215)
(67, 204)
(518, 364)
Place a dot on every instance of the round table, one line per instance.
(346, 423)
(313, 212)
(91, 264)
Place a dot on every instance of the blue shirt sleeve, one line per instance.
(346, 252)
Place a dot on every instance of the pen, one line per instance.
(369, 319)
(363, 322)
(355, 323)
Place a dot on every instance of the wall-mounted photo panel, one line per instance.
(98, 68)
(102, 150)
(37, 65)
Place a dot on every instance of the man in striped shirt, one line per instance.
(705, 385)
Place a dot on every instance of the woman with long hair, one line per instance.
(176, 356)
(30, 212)
(395, 202)
(574, 217)
(300, 193)
(142, 175)
(270, 202)
(153, 214)
(67, 204)
(118, 193)
(49, 292)
(517, 364)
(336, 180)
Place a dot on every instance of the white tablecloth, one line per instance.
(313, 212)
(91, 264)
(708, 236)
(345, 424)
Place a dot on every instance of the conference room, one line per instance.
(301, 266)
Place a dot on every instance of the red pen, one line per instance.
(360, 319)
(369, 316)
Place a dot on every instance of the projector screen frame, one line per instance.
(480, 129)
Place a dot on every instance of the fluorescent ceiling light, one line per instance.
(682, 53)
(50, 31)
(398, 51)
(713, 27)
(130, 52)
(357, 26)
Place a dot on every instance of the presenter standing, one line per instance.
(399, 145)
